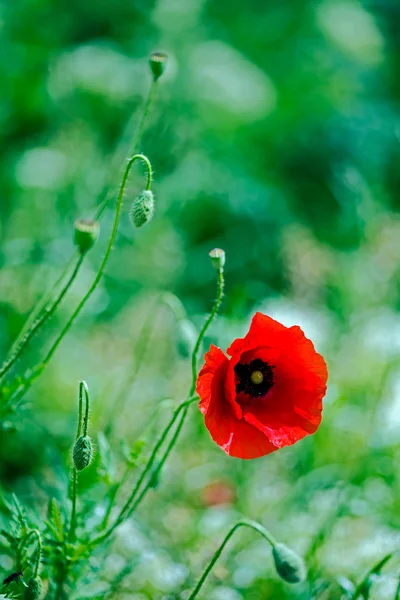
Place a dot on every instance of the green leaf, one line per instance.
(56, 520)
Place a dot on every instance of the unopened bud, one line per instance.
(187, 335)
(158, 62)
(217, 258)
(33, 591)
(86, 234)
(288, 564)
(82, 452)
(142, 208)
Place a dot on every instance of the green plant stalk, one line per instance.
(39, 550)
(121, 517)
(161, 463)
(40, 305)
(375, 570)
(253, 525)
(184, 406)
(136, 140)
(397, 594)
(127, 509)
(140, 352)
(39, 368)
(113, 496)
(206, 325)
(48, 311)
(135, 143)
(81, 425)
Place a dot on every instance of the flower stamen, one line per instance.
(255, 378)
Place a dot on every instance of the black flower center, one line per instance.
(255, 378)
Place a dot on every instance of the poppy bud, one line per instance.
(142, 208)
(186, 337)
(288, 564)
(86, 234)
(158, 62)
(82, 452)
(217, 258)
(33, 591)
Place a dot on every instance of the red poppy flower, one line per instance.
(267, 395)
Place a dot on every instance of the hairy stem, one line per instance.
(252, 525)
(206, 325)
(82, 426)
(122, 515)
(135, 141)
(181, 411)
(36, 533)
(48, 311)
(39, 369)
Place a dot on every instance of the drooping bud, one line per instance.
(142, 208)
(82, 452)
(186, 337)
(86, 234)
(217, 256)
(33, 591)
(288, 564)
(158, 62)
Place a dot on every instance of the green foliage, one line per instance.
(273, 133)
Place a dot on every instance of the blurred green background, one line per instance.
(275, 135)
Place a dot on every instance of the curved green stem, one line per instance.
(155, 474)
(42, 302)
(397, 594)
(72, 526)
(375, 570)
(123, 512)
(107, 254)
(133, 501)
(84, 387)
(48, 311)
(39, 550)
(82, 426)
(206, 325)
(252, 525)
(140, 353)
(136, 139)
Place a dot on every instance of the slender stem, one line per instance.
(80, 410)
(106, 257)
(136, 139)
(206, 325)
(253, 525)
(397, 594)
(83, 387)
(41, 320)
(41, 303)
(74, 498)
(161, 463)
(39, 549)
(128, 507)
(146, 111)
(375, 570)
(145, 471)
(113, 496)
(140, 353)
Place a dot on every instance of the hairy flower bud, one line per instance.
(217, 256)
(142, 208)
(82, 452)
(158, 62)
(288, 564)
(33, 591)
(86, 234)
(186, 337)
